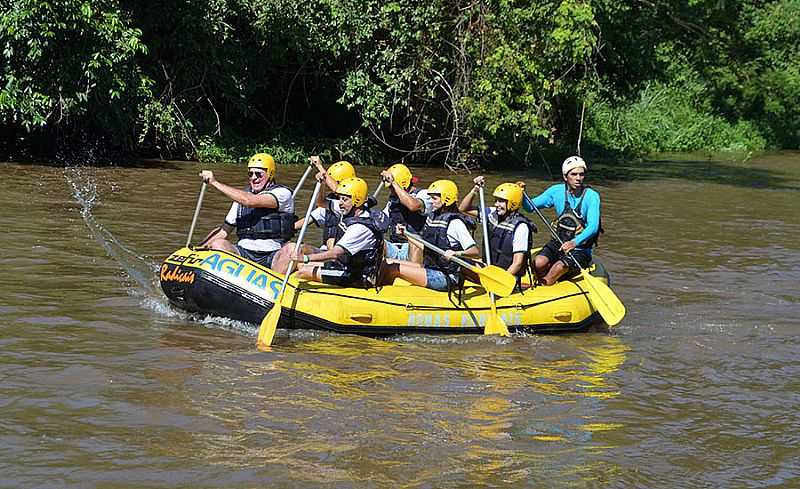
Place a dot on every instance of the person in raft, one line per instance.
(407, 206)
(326, 214)
(510, 233)
(446, 228)
(354, 259)
(262, 213)
(578, 223)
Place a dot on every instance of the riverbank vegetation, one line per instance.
(441, 81)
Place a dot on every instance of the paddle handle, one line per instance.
(550, 228)
(299, 239)
(377, 190)
(302, 180)
(196, 213)
(487, 251)
(485, 217)
(440, 251)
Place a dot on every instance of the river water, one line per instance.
(105, 385)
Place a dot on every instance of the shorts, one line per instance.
(582, 255)
(337, 273)
(397, 251)
(263, 258)
(438, 280)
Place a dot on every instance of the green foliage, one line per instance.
(666, 118)
(237, 150)
(436, 81)
(287, 149)
(65, 60)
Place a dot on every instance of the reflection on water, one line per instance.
(105, 385)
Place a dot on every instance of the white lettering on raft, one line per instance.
(442, 320)
(234, 268)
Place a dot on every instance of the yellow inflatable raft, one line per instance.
(221, 284)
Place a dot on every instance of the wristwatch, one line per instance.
(305, 259)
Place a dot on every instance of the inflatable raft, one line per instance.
(221, 284)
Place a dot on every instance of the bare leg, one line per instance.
(306, 272)
(408, 271)
(311, 271)
(556, 271)
(541, 265)
(214, 234)
(415, 254)
(281, 259)
(224, 245)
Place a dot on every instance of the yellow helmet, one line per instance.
(355, 188)
(401, 174)
(341, 170)
(510, 192)
(447, 189)
(263, 161)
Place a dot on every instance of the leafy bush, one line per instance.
(666, 118)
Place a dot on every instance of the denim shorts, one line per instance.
(263, 258)
(437, 280)
(397, 251)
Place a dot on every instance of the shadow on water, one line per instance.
(738, 171)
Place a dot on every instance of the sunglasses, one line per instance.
(258, 174)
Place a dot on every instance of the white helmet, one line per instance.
(571, 163)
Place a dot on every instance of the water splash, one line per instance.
(83, 183)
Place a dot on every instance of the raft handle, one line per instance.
(563, 316)
(362, 317)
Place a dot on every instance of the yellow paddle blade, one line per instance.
(611, 309)
(496, 280)
(495, 324)
(268, 325)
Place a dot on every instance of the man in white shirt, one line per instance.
(510, 233)
(354, 259)
(445, 228)
(262, 213)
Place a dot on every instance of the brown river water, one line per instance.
(104, 384)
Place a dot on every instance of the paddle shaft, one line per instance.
(302, 180)
(299, 240)
(436, 249)
(487, 251)
(494, 324)
(484, 217)
(377, 190)
(196, 213)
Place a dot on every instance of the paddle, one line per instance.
(270, 322)
(196, 213)
(600, 295)
(494, 279)
(302, 180)
(377, 190)
(494, 324)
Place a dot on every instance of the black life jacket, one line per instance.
(264, 223)
(501, 239)
(435, 232)
(331, 227)
(571, 222)
(400, 214)
(366, 262)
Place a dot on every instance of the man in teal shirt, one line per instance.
(578, 225)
